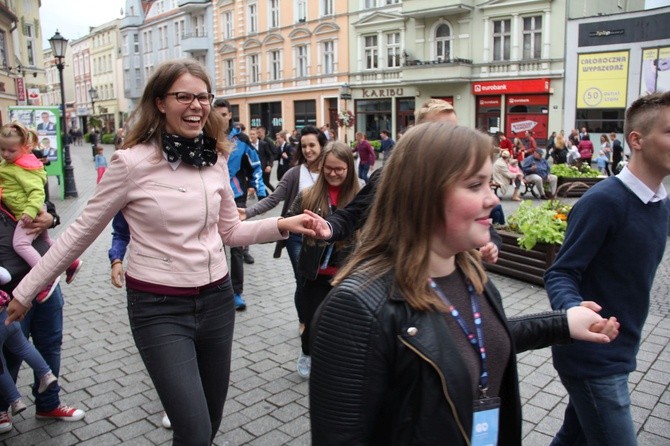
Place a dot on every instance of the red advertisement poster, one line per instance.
(519, 123)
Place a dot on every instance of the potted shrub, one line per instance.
(574, 180)
(531, 239)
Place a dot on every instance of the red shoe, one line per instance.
(63, 413)
(5, 422)
(72, 270)
(46, 293)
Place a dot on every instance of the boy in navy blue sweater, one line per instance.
(612, 257)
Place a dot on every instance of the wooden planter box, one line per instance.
(575, 187)
(514, 261)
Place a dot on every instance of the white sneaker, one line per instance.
(165, 421)
(304, 365)
(17, 407)
(47, 382)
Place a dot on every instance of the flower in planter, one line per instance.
(545, 223)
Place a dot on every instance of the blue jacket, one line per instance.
(542, 166)
(244, 168)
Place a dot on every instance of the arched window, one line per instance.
(443, 42)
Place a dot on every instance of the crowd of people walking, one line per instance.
(403, 335)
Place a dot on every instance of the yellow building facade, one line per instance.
(281, 63)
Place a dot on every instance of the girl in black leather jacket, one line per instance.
(391, 363)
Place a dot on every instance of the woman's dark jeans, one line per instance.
(293, 246)
(185, 343)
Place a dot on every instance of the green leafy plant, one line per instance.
(579, 170)
(545, 223)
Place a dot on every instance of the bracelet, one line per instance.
(114, 262)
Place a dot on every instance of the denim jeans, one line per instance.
(237, 269)
(363, 170)
(598, 413)
(44, 323)
(293, 246)
(12, 337)
(185, 343)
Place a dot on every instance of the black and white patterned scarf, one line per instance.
(199, 151)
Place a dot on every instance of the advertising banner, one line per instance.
(45, 121)
(602, 80)
(655, 70)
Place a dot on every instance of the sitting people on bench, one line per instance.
(536, 170)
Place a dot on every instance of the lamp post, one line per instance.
(345, 95)
(93, 92)
(58, 46)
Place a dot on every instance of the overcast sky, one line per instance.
(74, 17)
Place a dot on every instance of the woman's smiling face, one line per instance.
(186, 120)
(311, 149)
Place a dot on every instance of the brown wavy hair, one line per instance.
(146, 121)
(409, 206)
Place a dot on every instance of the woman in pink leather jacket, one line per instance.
(173, 188)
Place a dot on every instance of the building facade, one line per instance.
(153, 31)
(615, 59)
(83, 83)
(11, 81)
(281, 63)
(104, 49)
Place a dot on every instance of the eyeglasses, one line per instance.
(338, 170)
(187, 98)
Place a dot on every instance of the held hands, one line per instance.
(320, 227)
(298, 224)
(243, 213)
(586, 325)
(489, 252)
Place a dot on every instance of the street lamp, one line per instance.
(345, 95)
(58, 46)
(93, 92)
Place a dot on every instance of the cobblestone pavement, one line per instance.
(267, 401)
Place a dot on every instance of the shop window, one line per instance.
(305, 113)
(373, 116)
(600, 120)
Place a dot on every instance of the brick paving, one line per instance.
(267, 402)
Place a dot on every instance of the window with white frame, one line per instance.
(3, 49)
(392, 50)
(301, 10)
(371, 51)
(392, 2)
(227, 21)
(136, 43)
(148, 41)
(370, 4)
(199, 25)
(29, 33)
(328, 53)
(326, 7)
(502, 30)
(178, 31)
(254, 69)
(301, 61)
(443, 42)
(273, 10)
(252, 18)
(126, 45)
(532, 37)
(229, 70)
(274, 59)
(163, 36)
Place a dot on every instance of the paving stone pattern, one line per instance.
(268, 402)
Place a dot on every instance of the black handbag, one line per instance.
(311, 257)
(278, 248)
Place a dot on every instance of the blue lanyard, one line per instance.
(475, 339)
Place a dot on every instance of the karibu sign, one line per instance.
(511, 86)
(602, 80)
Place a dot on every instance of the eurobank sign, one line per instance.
(510, 87)
(602, 79)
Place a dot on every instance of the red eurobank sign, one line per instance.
(20, 89)
(511, 86)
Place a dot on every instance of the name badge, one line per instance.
(485, 422)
